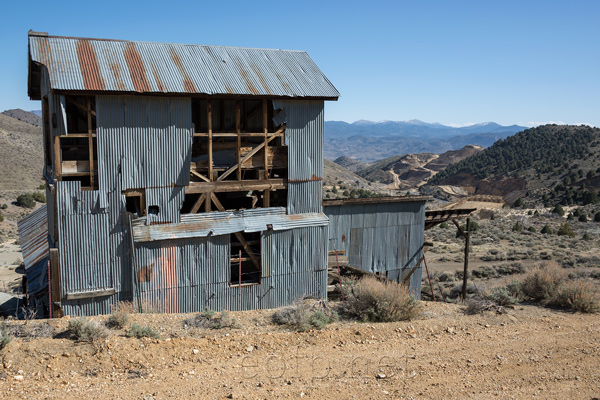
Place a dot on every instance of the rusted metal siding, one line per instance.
(78, 64)
(143, 142)
(221, 223)
(304, 136)
(380, 237)
(33, 236)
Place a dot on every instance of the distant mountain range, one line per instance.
(368, 141)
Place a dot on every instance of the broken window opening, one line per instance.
(135, 203)
(237, 141)
(153, 210)
(76, 153)
(250, 262)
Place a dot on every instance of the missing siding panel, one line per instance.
(246, 270)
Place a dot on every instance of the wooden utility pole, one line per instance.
(466, 270)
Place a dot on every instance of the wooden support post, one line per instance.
(466, 269)
(238, 129)
(207, 202)
(246, 157)
(265, 131)
(57, 159)
(54, 284)
(210, 127)
(90, 141)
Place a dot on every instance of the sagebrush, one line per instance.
(303, 316)
(139, 332)
(212, 320)
(83, 330)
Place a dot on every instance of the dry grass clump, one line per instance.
(541, 283)
(119, 318)
(577, 296)
(5, 339)
(302, 316)
(212, 320)
(83, 330)
(373, 300)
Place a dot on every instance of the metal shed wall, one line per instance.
(380, 237)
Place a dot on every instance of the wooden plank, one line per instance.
(73, 166)
(207, 202)
(223, 134)
(133, 192)
(210, 151)
(265, 131)
(239, 139)
(239, 236)
(55, 283)
(198, 203)
(199, 175)
(407, 277)
(267, 198)
(76, 135)
(90, 140)
(91, 294)
(57, 159)
(235, 186)
(246, 157)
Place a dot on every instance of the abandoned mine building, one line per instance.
(183, 177)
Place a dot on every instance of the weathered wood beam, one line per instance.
(57, 158)
(89, 295)
(199, 175)
(81, 106)
(210, 127)
(198, 203)
(246, 157)
(238, 129)
(236, 186)
(90, 140)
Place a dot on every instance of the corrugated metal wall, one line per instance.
(380, 237)
(304, 136)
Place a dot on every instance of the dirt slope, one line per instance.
(530, 352)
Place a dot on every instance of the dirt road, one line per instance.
(530, 352)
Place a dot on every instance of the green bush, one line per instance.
(139, 332)
(444, 225)
(583, 218)
(501, 297)
(302, 316)
(558, 210)
(546, 230)
(376, 301)
(26, 201)
(586, 236)
(577, 296)
(1, 217)
(517, 227)
(82, 330)
(531, 229)
(565, 230)
(5, 206)
(39, 197)
(118, 319)
(5, 339)
(597, 217)
(42, 187)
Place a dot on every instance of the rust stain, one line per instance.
(168, 268)
(116, 71)
(312, 178)
(249, 84)
(88, 63)
(343, 238)
(187, 82)
(136, 68)
(261, 78)
(161, 88)
(45, 52)
(145, 274)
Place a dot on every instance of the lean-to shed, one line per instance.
(179, 176)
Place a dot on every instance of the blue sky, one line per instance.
(453, 62)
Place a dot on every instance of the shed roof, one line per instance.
(100, 65)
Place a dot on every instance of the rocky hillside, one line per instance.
(21, 154)
(553, 163)
(25, 116)
(413, 170)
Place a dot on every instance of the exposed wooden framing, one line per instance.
(133, 192)
(81, 106)
(198, 203)
(55, 282)
(265, 131)
(407, 277)
(467, 236)
(199, 175)
(209, 125)
(90, 140)
(57, 158)
(76, 135)
(227, 134)
(207, 202)
(239, 138)
(92, 294)
(238, 235)
(236, 186)
(246, 157)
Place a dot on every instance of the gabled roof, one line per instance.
(100, 65)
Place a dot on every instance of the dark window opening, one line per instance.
(47, 132)
(153, 210)
(135, 203)
(248, 267)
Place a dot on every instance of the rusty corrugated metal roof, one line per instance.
(80, 64)
(33, 236)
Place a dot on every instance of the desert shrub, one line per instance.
(510, 269)
(444, 225)
(302, 316)
(26, 201)
(541, 283)
(82, 330)
(546, 230)
(39, 197)
(577, 296)
(597, 217)
(565, 230)
(517, 227)
(1, 217)
(139, 332)
(212, 320)
(558, 210)
(377, 301)
(531, 229)
(501, 297)
(5, 206)
(583, 218)
(27, 329)
(473, 227)
(5, 339)
(519, 203)
(118, 319)
(586, 236)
